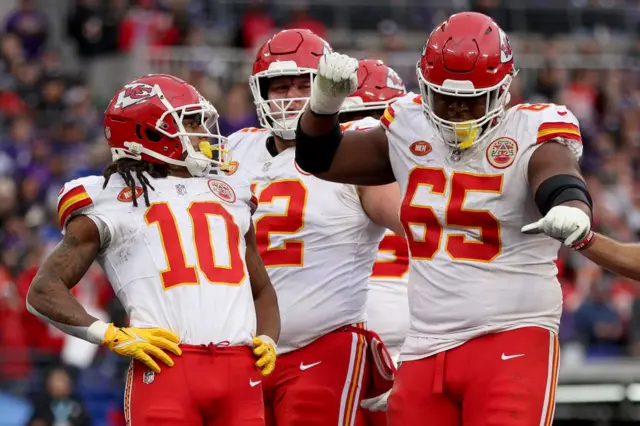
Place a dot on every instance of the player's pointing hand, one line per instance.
(569, 225)
(337, 78)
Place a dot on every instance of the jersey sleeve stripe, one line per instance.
(548, 131)
(73, 200)
(388, 117)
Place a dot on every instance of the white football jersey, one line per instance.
(316, 241)
(472, 270)
(388, 303)
(178, 264)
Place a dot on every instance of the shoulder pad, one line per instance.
(552, 122)
(74, 197)
(408, 101)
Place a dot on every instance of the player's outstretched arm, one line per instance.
(617, 257)
(50, 295)
(561, 196)
(266, 305)
(360, 158)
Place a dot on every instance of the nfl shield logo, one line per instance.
(181, 189)
(148, 377)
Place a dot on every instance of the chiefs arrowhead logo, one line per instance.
(126, 195)
(394, 81)
(134, 93)
(506, 54)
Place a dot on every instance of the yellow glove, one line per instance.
(264, 348)
(142, 344)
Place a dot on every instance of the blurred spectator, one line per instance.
(148, 25)
(237, 113)
(57, 405)
(31, 26)
(302, 19)
(256, 26)
(599, 326)
(94, 29)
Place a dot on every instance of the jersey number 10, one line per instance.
(178, 272)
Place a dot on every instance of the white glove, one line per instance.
(337, 78)
(379, 403)
(570, 225)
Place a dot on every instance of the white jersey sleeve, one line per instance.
(77, 198)
(541, 123)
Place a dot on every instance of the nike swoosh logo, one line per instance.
(506, 357)
(254, 384)
(308, 366)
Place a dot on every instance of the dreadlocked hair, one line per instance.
(127, 168)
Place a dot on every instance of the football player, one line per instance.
(484, 299)
(387, 303)
(184, 264)
(318, 241)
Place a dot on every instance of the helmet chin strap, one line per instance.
(196, 163)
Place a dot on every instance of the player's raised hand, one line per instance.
(143, 344)
(337, 78)
(264, 348)
(570, 225)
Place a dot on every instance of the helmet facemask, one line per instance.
(276, 115)
(462, 135)
(212, 154)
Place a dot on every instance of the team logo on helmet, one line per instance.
(501, 153)
(394, 81)
(506, 54)
(222, 190)
(126, 195)
(134, 93)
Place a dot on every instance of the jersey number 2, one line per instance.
(456, 216)
(178, 272)
(290, 222)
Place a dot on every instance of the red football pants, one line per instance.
(320, 384)
(506, 378)
(374, 418)
(207, 386)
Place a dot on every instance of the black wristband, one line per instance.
(560, 189)
(314, 154)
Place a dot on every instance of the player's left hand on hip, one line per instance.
(379, 403)
(570, 225)
(264, 348)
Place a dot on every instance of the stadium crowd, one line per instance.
(50, 132)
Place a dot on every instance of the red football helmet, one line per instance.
(288, 53)
(144, 122)
(468, 55)
(378, 86)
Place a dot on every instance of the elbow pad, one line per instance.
(560, 189)
(314, 154)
